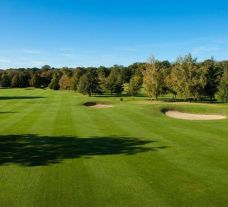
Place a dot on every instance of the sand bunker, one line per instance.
(187, 116)
(98, 105)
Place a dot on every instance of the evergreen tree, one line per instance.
(213, 73)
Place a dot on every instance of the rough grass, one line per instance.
(56, 152)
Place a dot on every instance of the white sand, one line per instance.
(187, 116)
(99, 106)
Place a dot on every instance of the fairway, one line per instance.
(55, 151)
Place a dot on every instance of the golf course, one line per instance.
(61, 148)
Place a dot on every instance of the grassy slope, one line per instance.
(47, 156)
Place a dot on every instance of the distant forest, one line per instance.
(186, 78)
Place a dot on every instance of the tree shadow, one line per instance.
(7, 112)
(34, 150)
(19, 97)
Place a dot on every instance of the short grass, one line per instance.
(56, 152)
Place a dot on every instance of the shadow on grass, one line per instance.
(19, 97)
(7, 112)
(34, 150)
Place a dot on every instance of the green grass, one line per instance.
(56, 152)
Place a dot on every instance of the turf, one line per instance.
(54, 151)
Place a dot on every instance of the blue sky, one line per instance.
(98, 32)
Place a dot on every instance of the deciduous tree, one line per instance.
(64, 82)
(134, 85)
(153, 79)
(223, 86)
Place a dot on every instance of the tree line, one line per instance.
(186, 78)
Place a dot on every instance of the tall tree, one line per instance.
(134, 85)
(15, 82)
(153, 79)
(102, 72)
(88, 83)
(74, 80)
(187, 79)
(54, 84)
(5, 81)
(115, 81)
(213, 72)
(46, 67)
(36, 81)
(64, 82)
(223, 86)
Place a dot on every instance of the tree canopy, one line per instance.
(186, 78)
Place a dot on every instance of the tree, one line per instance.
(115, 81)
(134, 85)
(88, 83)
(153, 79)
(213, 73)
(64, 82)
(20, 79)
(74, 80)
(54, 83)
(46, 77)
(5, 81)
(126, 88)
(15, 82)
(36, 81)
(101, 72)
(74, 83)
(223, 86)
(187, 79)
(136, 69)
(46, 67)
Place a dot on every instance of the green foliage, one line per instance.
(20, 80)
(64, 82)
(54, 83)
(74, 83)
(83, 84)
(102, 72)
(115, 81)
(36, 81)
(89, 83)
(223, 86)
(126, 88)
(134, 85)
(213, 72)
(187, 79)
(46, 67)
(15, 83)
(153, 79)
(5, 81)
(74, 80)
